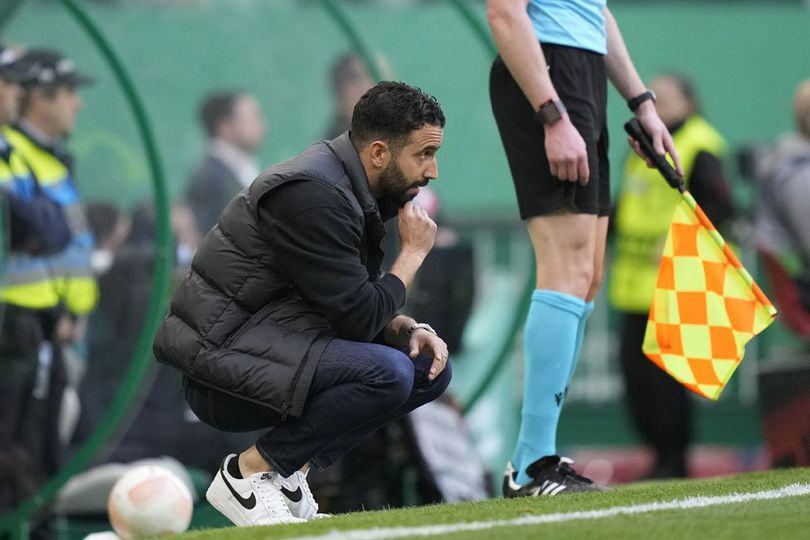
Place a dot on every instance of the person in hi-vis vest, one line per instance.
(658, 405)
(50, 105)
(32, 374)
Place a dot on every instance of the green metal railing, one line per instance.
(355, 38)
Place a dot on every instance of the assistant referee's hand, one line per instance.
(659, 134)
(566, 151)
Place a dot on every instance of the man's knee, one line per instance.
(394, 373)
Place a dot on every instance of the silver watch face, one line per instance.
(423, 326)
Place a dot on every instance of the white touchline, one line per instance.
(793, 490)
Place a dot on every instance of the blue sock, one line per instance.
(550, 340)
(583, 322)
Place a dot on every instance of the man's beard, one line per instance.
(395, 185)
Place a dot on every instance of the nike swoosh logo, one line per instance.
(294, 496)
(248, 503)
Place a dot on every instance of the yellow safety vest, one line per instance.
(70, 274)
(26, 280)
(644, 213)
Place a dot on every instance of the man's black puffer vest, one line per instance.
(236, 322)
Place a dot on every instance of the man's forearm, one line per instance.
(406, 265)
(520, 50)
(620, 68)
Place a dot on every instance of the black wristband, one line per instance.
(549, 112)
(636, 102)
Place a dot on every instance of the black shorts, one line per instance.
(580, 78)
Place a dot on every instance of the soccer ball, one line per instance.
(149, 501)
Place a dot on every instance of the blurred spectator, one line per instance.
(349, 79)
(235, 127)
(783, 214)
(36, 223)
(50, 106)
(32, 369)
(659, 405)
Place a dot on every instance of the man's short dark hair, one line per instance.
(216, 108)
(390, 111)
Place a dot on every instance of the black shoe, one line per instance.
(550, 475)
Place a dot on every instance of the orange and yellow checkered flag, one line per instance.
(706, 305)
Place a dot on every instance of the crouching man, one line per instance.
(285, 322)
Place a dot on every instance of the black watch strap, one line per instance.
(635, 102)
(549, 112)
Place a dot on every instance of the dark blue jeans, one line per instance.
(357, 388)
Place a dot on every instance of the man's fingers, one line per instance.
(439, 361)
(658, 144)
(583, 171)
(634, 145)
(637, 149)
(673, 153)
(552, 167)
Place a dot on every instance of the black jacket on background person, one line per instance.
(293, 262)
(211, 188)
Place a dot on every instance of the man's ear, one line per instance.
(380, 154)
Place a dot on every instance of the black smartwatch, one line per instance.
(549, 112)
(635, 102)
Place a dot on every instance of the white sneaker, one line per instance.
(299, 497)
(256, 500)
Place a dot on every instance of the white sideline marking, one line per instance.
(793, 490)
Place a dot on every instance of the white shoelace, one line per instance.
(301, 477)
(268, 488)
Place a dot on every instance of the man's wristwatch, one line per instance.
(635, 102)
(549, 112)
(423, 326)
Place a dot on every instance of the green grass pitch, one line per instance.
(768, 505)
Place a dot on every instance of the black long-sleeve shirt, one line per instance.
(331, 254)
